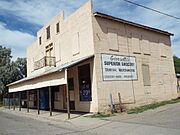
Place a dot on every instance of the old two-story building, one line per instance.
(83, 61)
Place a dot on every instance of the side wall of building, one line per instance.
(149, 48)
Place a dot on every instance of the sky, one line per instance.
(21, 19)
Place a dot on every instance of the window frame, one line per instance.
(57, 96)
(48, 32)
(57, 28)
(40, 40)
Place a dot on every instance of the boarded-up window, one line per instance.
(75, 43)
(145, 45)
(163, 50)
(122, 41)
(146, 75)
(136, 48)
(113, 39)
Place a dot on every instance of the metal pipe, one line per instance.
(28, 101)
(13, 101)
(50, 104)
(38, 101)
(67, 91)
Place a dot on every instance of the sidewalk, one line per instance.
(77, 121)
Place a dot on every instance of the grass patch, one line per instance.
(152, 106)
(100, 115)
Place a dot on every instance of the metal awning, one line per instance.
(53, 77)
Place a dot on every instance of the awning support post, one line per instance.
(50, 105)
(9, 101)
(13, 101)
(67, 91)
(28, 101)
(38, 101)
(19, 101)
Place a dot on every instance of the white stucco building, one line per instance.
(97, 55)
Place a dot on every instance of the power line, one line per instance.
(157, 11)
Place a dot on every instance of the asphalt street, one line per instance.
(15, 125)
(162, 121)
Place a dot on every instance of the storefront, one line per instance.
(95, 60)
(49, 90)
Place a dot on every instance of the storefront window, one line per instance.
(32, 96)
(84, 83)
(56, 96)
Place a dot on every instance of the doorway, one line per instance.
(71, 102)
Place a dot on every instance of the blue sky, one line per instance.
(21, 19)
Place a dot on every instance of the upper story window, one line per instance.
(48, 32)
(40, 40)
(49, 50)
(57, 28)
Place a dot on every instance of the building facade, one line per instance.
(83, 61)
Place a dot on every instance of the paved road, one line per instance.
(162, 121)
(15, 125)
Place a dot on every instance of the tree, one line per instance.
(5, 56)
(5, 60)
(10, 71)
(177, 64)
(21, 65)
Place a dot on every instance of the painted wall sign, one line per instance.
(117, 67)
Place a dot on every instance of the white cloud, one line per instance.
(33, 11)
(40, 12)
(163, 22)
(143, 16)
(15, 40)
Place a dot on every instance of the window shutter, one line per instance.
(113, 39)
(75, 43)
(146, 75)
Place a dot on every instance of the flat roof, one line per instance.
(99, 14)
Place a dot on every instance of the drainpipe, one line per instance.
(67, 93)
